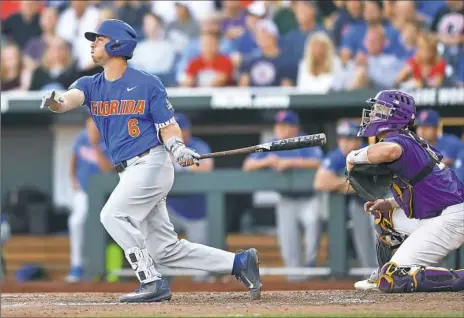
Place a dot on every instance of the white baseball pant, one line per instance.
(294, 214)
(433, 239)
(76, 225)
(138, 206)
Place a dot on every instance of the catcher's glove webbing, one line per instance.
(370, 181)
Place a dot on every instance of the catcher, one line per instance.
(423, 188)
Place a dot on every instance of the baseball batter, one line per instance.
(423, 188)
(136, 121)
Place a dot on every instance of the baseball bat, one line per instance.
(278, 145)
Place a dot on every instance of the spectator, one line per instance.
(233, 23)
(89, 157)
(210, 24)
(78, 18)
(58, 67)
(426, 68)
(352, 41)
(105, 13)
(154, 54)
(407, 45)
(293, 209)
(246, 45)
(316, 70)
(131, 12)
(11, 68)
(403, 12)
(35, 47)
(23, 25)
(283, 16)
(428, 128)
(331, 177)
(210, 69)
(295, 40)
(270, 67)
(188, 212)
(429, 9)
(376, 69)
(184, 29)
(347, 16)
(167, 9)
(460, 73)
(448, 27)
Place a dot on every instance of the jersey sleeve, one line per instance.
(312, 153)
(333, 162)
(84, 85)
(452, 147)
(161, 109)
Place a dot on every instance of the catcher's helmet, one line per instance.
(390, 110)
(123, 37)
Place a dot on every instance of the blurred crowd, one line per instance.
(317, 46)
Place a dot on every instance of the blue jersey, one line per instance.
(190, 206)
(86, 159)
(128, 112)
(459, 165)
(449, 146)
(335, 161)
(304, 153)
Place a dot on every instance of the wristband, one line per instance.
(358, 156)
(173, 143)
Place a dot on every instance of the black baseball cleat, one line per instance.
(151, 292)
(249, 272)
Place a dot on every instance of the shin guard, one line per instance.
(142, 264)
(394, 279)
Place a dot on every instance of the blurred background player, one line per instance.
(331, 177)
(89, 158)
(428, 128)
(188, 212)
(5, 233)
(294, 210)
(459, 165)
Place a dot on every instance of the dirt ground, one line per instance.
(278, 298)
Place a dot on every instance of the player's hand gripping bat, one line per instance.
(278, 145)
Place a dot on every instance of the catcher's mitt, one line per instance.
(370, 181)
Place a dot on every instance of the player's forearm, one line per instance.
(300, 163)
(251, 165)
(377, 153)
(71, 99)
(328, 181)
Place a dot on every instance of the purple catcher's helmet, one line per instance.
(390, 110)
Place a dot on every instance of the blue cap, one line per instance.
(428, 118)
(183, 121)
(287, 117)
(347, 128)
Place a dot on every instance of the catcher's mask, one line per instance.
(389, 110)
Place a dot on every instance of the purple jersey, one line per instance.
(128, 111)
(436, 191)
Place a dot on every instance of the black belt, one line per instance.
(120, 167)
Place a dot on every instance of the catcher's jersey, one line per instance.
(437, 191)
(128, 112)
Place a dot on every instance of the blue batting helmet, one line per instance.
(123, 37)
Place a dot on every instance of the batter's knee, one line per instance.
(76, 221)
(106, 217)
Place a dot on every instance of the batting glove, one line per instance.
(183, 155)
(52, 100)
